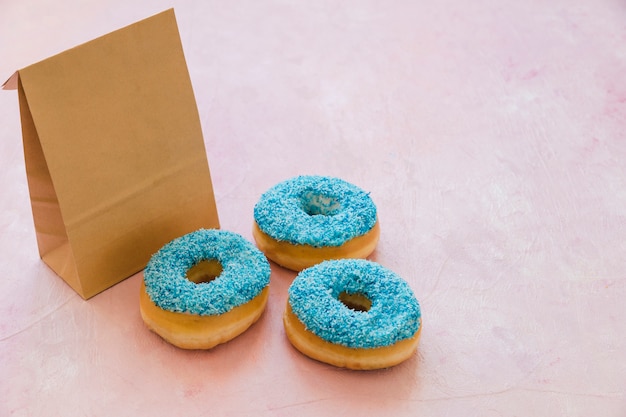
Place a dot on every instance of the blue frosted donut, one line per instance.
(384, 316)
(171, 298)
(315, 210)
(307, 219)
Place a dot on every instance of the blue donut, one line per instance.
(245, 273)
(315, 210)
(394, 314)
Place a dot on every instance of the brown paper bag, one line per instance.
(115, 158)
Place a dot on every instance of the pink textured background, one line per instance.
(492, 136)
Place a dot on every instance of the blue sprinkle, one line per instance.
(393, 316)
(316, 211)
(245, 273)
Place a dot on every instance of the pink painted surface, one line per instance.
(492, 136)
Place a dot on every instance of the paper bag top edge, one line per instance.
(11, 82)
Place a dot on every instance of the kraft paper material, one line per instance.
(115, 157)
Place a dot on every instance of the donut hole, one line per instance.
(356, 301)
(315, 204)
(204, 271)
